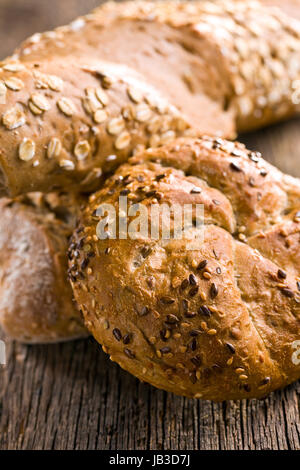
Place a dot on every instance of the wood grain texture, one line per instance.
(70, 396)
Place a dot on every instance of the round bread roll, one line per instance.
(36, 300)
(217, 320)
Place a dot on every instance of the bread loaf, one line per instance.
(67, 118)
(65, 122)
(219, 321)
(36, 301)
(228, 65)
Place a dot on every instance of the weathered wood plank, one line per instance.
(70, 396)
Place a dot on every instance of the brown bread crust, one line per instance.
(218, 322)
(36, 301)
(225, 64)
(65, 122)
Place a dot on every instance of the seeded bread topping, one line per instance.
(36, 302)
(234, 66)
(215, 322)
(64, 125)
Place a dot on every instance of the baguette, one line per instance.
(36, 301)
(220, 321)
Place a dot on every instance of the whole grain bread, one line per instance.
(65, 122)
(228, 65)
(218, 321)
(36, 301)
(67, 117)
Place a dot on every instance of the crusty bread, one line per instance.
(227, 64)
(66, 121)
(36, 301)
(68, 117)
(216, 322)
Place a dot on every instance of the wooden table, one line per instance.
(70, 396)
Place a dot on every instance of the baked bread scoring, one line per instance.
(216, 322)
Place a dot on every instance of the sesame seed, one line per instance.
(207, 275)
(243, 377)
(212, 332)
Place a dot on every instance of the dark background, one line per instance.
(70, 396)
